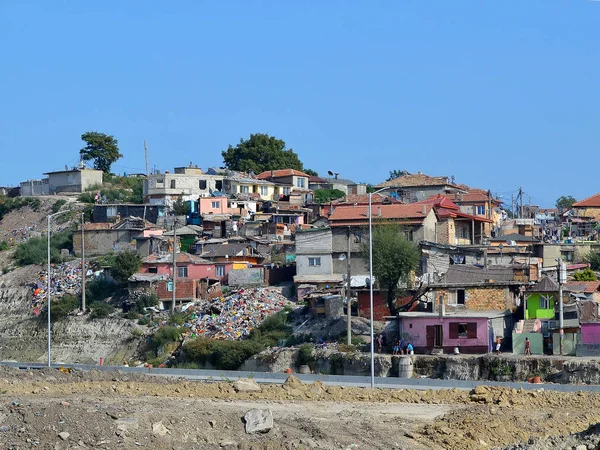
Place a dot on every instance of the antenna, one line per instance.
(146, 154)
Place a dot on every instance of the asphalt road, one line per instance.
(334, 380)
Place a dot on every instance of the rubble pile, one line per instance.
(234, 316)
(66, 279)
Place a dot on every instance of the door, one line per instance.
(430, 332)
(438, 336)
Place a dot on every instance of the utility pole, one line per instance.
(83, 269)
(146, 155)
(521, 200)
(561, 279)
(512, 206)
(174, 266)
(349, 295)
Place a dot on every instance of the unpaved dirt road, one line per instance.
(48, 409)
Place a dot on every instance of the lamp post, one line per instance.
(371, 282)
(48, 279)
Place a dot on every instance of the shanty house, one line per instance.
(588, 208)
(410, 188)
(75, 180)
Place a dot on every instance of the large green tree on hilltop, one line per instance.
(260, 153)
(101, 148)
(565, 203)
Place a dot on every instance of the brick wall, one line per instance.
(185, 289)
(478, 299)
(380, 308)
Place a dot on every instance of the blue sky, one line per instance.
(500, 94)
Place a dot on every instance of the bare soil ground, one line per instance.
(122, 411)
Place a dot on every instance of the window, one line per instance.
(408, 235)
(286, 191)
(462, 330)
(172, 184)
(481, 210)
(152, 269)
(457, 259)
(545, 302)
(244, 189)
(264, 190)
(220, 271)
(314, 262)
(464, 232)
(169, 286)
(111, 211)
(202, 184)
(215, 205)
(300, 182)
(182, 272)
(219, 185)
(456, 297)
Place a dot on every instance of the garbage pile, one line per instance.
(23, 234)
(234, 316)
(66, 279)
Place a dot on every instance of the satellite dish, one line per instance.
(330, 173)
(342, 257)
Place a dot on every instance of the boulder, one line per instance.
(258, 421)
(246, 385)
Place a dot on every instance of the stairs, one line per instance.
(528, 326)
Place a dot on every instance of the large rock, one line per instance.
(258, 421)
(246, 385)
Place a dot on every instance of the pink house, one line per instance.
(590, 333)
(213, 205)
(188, 266)
(470, 332)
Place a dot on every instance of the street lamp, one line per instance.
(371, 281)
(48, 279)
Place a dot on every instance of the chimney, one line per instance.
(379, 211)
(424, 211)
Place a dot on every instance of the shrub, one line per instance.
(34, 251)
(299, 339)
(100, 310)
(12, 204)
(593, 258)
(224, 355)
(144, 321)
(4, 246)
(305, 355)
(57, 205)
(345, 348)
(61, 308)
(177, 318)
(164, 335)
(137, 333)
(143, 300)
(99, 289)
(585, 275)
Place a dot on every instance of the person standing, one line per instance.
(527, 347)
(409, 349)
(498, 344)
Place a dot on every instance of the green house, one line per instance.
(540, 299)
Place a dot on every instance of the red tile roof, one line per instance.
(358, 215)
(593, 201)
(440, 201)
(446, 208)
(582, 286)
(267, 174)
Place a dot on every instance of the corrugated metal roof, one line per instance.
(463, 274)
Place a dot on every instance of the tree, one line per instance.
(260, 153)
(326, 195)
(585, 275)
(310, 172)
(100, 148)
(394, 258)
(181, 208)
(593, 259)
(396, 174)
(565, 203)
(125, 265)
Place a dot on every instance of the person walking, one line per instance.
(409, 349)
(498, 344)
(527, 347)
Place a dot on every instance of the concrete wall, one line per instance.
(314, 244)
(570, 341)
(100, 242)
(536, 339)
(254, 276)
(35, 187)
(74, 180)
(533, 307)
(304, 268)
(214, 205)
(158, 190)
(590, 350)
